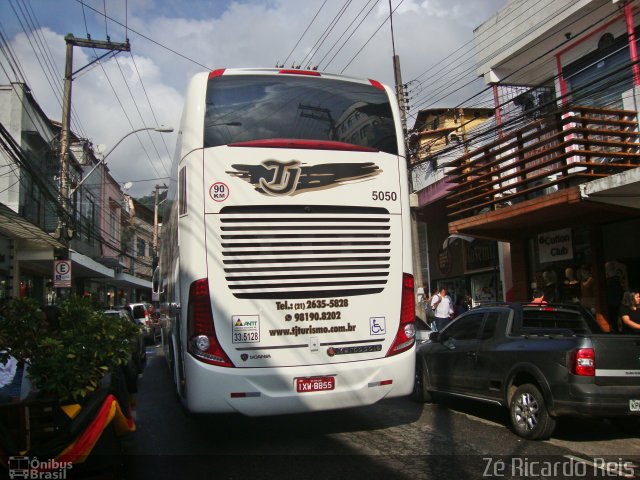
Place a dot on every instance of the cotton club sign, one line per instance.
(554, 246)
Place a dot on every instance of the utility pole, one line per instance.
(64, 200)
(400, 93)
(63, 230)
(417, 261)
(64, 145)
(156, 204)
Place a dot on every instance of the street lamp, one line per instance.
(160, 129)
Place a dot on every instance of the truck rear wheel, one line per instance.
(529, 415)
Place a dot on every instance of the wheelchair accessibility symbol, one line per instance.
(377, 326)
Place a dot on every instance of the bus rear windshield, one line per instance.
(242, 108)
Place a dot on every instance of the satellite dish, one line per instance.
(127, 186)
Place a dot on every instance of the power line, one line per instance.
(460, 65)
(543, 55)
(153, 113)
(351, 34)
(304, 33)
(31, 30)
(326, 32)
(371, 37)
(115, 93)
(584, 92)
(147, 38)
(135, 103)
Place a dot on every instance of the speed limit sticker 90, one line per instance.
(219, 191)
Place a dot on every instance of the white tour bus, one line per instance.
(285, 277)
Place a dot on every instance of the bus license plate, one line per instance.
(634, 405)
(315, 384)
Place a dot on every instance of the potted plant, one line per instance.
(74, 358)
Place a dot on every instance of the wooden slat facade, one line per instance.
(541, 158)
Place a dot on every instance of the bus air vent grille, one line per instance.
(305, 251)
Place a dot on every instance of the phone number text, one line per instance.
(313, 304)
(313, 316)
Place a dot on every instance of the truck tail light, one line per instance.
(405, 338)
(584, 363)
(202, 341)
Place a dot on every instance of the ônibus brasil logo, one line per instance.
(32, 468)
(276, 178)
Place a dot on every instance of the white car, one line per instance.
(145, 315)
(422, 331)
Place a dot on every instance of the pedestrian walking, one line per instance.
(443, 309)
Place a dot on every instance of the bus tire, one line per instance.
(420, 392)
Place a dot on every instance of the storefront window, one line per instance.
(561, 264)
(485, 288)
(601, 77)
(621, 247)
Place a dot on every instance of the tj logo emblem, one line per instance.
(285, 177)
(275, 178)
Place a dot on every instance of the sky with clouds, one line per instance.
(173, 39)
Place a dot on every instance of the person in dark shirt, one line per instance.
(630, 312)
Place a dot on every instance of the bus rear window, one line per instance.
(243, 108)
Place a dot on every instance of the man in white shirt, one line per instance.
(443, 308)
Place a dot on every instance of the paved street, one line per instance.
(393, 439)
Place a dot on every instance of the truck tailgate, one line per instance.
(617, 359)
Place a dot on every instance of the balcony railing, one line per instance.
(556, 152)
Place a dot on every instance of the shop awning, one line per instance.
(41, 261)
(622, 189)
(127, 280)
(85, 267)
(14, 226)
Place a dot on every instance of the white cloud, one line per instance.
(226, 34)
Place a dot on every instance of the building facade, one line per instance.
(557, 181)
(467, 267)
(31, 240)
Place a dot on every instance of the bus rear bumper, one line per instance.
(265, 391)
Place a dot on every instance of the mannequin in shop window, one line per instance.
(550, 287)
(616, 284)
(570, 287)
(587, 294)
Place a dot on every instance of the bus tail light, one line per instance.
(405, 338)
(216, 73)
(202, 342)
(376, 84)
(584, 362)
(296, 71)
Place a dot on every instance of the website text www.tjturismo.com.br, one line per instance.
(296, 330)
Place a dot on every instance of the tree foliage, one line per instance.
(67, 354)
